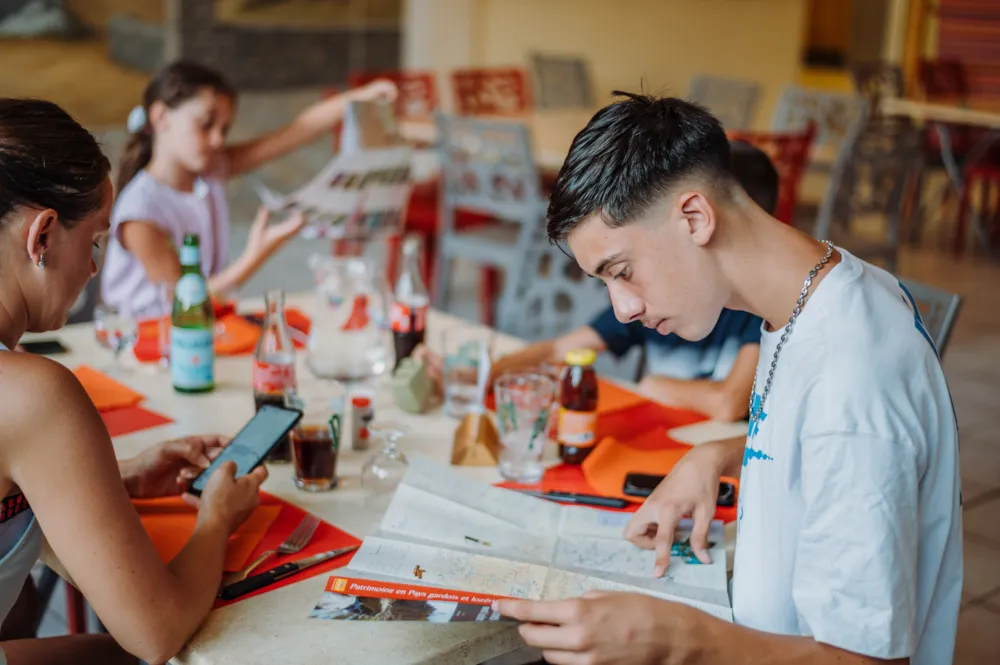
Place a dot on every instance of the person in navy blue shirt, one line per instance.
(713, 375)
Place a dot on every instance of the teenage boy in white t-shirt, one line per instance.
(849, 546)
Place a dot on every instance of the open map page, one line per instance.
(443, 531)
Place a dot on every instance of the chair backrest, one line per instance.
(501, 91)
(876, 80)
(487, 166)
(732, 101)
(834, 114)
(944, 80)
(418, 94)
(938, 309)
(562, 81)
(875, 168)
(789, 152)
(553, 294)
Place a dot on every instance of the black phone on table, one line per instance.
(642, 485)
(249, 448)
(44, 347)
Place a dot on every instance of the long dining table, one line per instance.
(275, 627)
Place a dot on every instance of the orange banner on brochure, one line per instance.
(372, 589)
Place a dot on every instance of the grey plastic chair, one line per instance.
(561, 81)
(732, 101)
(834, 114)
(487, 167)
(938, 309)
(873, 175)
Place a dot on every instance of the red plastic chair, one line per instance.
(789, 152)
(418, 94)
(501, 91)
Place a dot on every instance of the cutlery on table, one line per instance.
(261, 580)
(296, 540)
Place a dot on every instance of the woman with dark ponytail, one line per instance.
(58, 473)
(171, 180)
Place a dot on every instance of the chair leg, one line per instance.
(76, 611)
(489, 287)
(963, 213)
(392, 244)
(442, 281)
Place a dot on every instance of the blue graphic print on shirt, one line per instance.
(749, 452)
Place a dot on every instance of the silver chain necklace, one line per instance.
(756, 413)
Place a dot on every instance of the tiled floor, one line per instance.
(972, 364)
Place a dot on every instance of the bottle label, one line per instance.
(192, 357)
(191, 290)
(577, 428)
(358, 318)
(406, 319)
(190, 256)
(272, 378)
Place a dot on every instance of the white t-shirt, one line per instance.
(850, 524)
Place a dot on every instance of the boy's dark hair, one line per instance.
(755, 171)
(629, 154)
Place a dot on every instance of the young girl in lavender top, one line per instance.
(171, 182)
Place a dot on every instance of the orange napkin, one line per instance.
(132, 419)
(652, 453)
(170, 523)
(105, 392)
(235, 336)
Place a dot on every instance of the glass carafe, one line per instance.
(349, 338)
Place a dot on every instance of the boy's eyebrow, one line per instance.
(603, 265)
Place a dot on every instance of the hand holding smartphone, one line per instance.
(249, 448)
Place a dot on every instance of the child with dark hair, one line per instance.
(711, 375)
(171, 182)
(849, 520)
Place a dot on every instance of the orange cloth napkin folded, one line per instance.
(170, 523)
(105, 392)
(612, 460)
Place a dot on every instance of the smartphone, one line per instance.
(641, 484)
(44, 347)
(249, 448)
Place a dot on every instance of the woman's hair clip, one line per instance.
(136, 120)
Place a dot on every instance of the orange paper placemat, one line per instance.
(170, 523)
(132, 419)
(235, 335)
(327, 537)
(105, 392)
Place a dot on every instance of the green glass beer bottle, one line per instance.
(192, 325)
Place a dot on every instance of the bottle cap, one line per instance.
(580, 357)
(360, 402)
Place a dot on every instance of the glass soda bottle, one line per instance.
(274, 365)
(577, 433)
(411, 301)
(192, 325)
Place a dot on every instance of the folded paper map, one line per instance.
(446, 532)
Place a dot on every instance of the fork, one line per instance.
(296, 540)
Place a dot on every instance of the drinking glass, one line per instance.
(524, 402)
(382, 473)
(466, 370)
(316, 442)
(116, 330)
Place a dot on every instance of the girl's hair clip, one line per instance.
(136, 120)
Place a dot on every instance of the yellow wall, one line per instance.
(655, 44)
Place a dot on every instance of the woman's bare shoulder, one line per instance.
(33, 386)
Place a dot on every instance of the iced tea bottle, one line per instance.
(578, 407)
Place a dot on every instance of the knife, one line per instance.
(261, 580)
(579, 499)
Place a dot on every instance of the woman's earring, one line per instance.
(41, 260)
